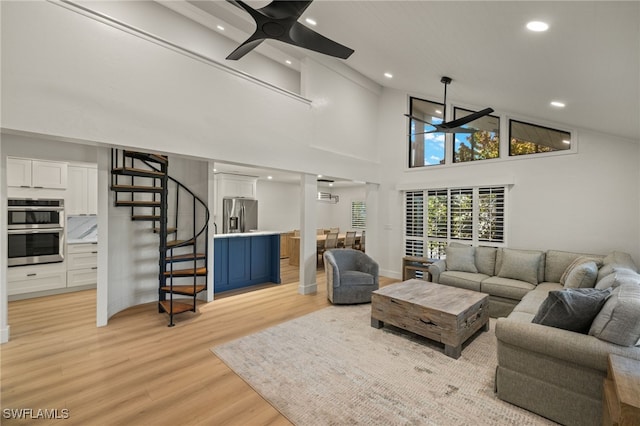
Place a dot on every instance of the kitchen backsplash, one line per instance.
(82, 229)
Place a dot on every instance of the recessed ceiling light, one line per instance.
(388, 75)
(288, 62)
(558, 104)
(319, 176)
(537, 26)
(330, 184)
(215, 170)
(220, 27)
(311, 21)
(269, 177)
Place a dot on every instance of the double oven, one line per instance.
(35, 231)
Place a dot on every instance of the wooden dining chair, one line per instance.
(360, 245)
(350, 239)
(330, 242)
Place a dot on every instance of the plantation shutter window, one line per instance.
(475, 215)
(358, 214)
(414, 223)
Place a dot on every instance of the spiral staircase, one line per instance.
(141, 182)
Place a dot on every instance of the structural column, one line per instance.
(308, 241)
(372, 241)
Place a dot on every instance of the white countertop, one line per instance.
(247, 234)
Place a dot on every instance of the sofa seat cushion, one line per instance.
(468, 280)
(506, 287)
(350, 278)
(531, 301)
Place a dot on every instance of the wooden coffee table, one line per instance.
(445, 314)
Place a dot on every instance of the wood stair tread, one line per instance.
(178, 307)
(156, 230)
(174, 243)
(135, 188)
(137, 203)
(186, 290)
(144, 217)
(185, 257)
(147, 156)
(132, 171)
(187, 272)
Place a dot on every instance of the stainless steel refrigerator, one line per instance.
(239, 215)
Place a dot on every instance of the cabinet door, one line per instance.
(18, 172)
(76, 200)
(92, 190)
(239, 260)
(48, 174)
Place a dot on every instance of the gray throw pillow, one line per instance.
(520, 265)
(582, 276)
(619, 320)
(460, 259)
(571, 309)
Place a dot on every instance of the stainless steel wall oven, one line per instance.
(35, 231)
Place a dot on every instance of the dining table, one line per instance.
(294, 246)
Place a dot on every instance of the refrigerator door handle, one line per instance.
(242, 217)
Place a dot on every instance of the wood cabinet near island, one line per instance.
(245, 259)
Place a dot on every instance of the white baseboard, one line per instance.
(308, 288)
(4, 334)
(391, 274)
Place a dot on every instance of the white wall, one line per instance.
(110, 86)
(586, 202)
(339, 215)
(278, 206)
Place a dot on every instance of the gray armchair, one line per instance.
(351, 276)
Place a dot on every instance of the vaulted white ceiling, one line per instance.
(589, 58)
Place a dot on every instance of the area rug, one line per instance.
(331, 367)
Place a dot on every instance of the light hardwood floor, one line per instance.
(137, 370)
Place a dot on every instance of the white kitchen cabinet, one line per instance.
(82, 190)
(28, 173)
(82, 264)
(233, 186)
(32, 278)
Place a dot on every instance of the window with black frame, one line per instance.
(482, 144)
(526, 138)
(425, 148)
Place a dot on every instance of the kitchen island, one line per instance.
(245, 259)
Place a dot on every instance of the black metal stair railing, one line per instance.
(167, 256)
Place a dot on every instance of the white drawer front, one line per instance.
(36, 282)
(82, 277)
(82, 261)
(82, 248)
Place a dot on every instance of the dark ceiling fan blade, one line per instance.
(246, 47)
(280, 9)
(464, 120)
(305, 37)
(278, 21)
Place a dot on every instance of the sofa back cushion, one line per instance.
(523, 265)
(486, 260)
(619, 320)
(557, 262)
(617, 259)
(460, 259)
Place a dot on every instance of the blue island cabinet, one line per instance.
(245, 260)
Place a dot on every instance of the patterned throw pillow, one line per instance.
(571, 309)
(577, 262)
(582, 276)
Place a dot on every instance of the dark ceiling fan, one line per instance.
(279, 21)
(454, 126)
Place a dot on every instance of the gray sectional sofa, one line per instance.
(548, 370)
